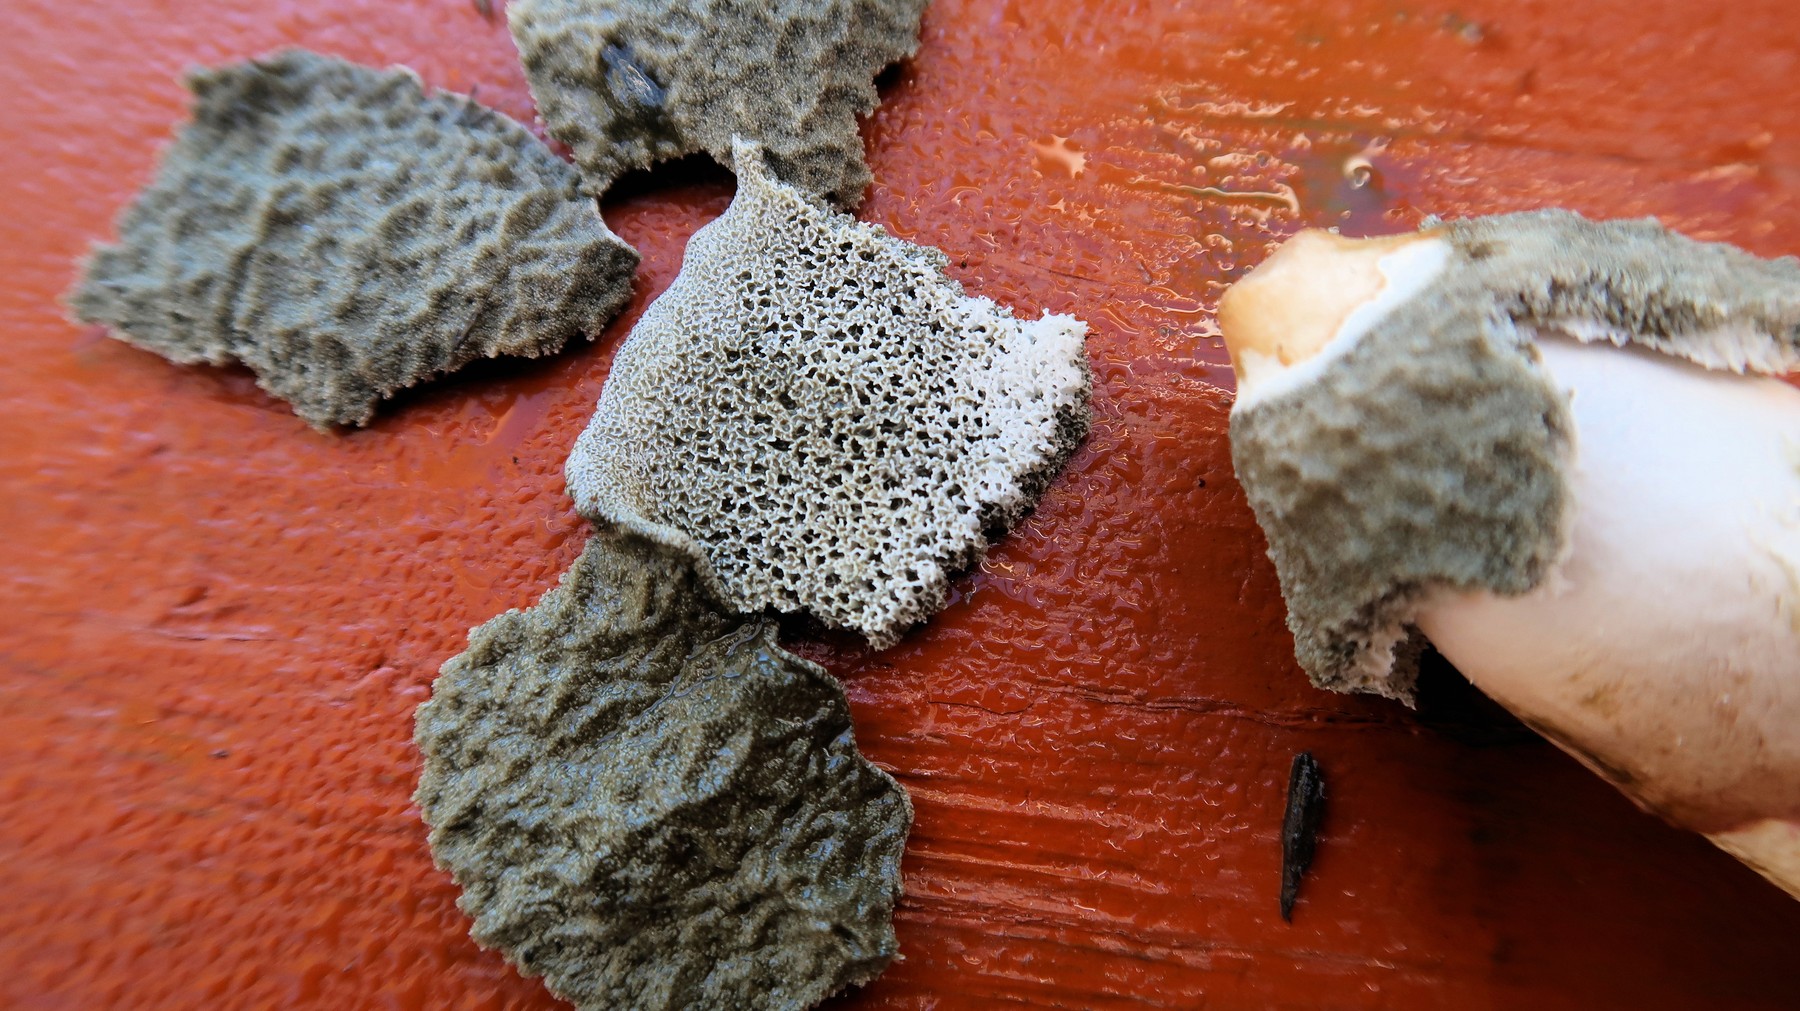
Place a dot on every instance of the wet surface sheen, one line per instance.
(219, 622)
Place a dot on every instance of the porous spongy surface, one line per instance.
(824, 419)
(346, 235)
(651, 805)
(1634, 282)
(629, 82)
(1432, 454)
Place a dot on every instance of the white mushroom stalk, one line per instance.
(1560, 450)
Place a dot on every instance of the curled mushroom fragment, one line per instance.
(1560, 450)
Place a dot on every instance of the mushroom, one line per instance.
(346, 234)
(629, 83)
(824, 419)
(1561, 451)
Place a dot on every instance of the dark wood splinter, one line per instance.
(1300, 827)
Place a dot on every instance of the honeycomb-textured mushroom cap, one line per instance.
(652, 805)
(346, 235)
(824, 419)
(626, 83)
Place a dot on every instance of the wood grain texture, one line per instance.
(218, 622)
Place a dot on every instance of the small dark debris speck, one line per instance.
(630, 81)
(1300, 826)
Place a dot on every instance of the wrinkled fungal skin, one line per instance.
(1428, 455)
(345, 236)
(651, 805)
(822, 417)
(626, 83)
(1431, 455)
(1633, 282)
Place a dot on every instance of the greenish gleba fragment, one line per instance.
(346, 235)
(627, 83)
(650, 804)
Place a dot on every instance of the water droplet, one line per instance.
(1056, 153)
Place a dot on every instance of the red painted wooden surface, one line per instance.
(218, 622)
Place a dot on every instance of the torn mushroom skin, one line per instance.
(1625, 381)
(346, 234)
(824, 419)
(628, 83)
